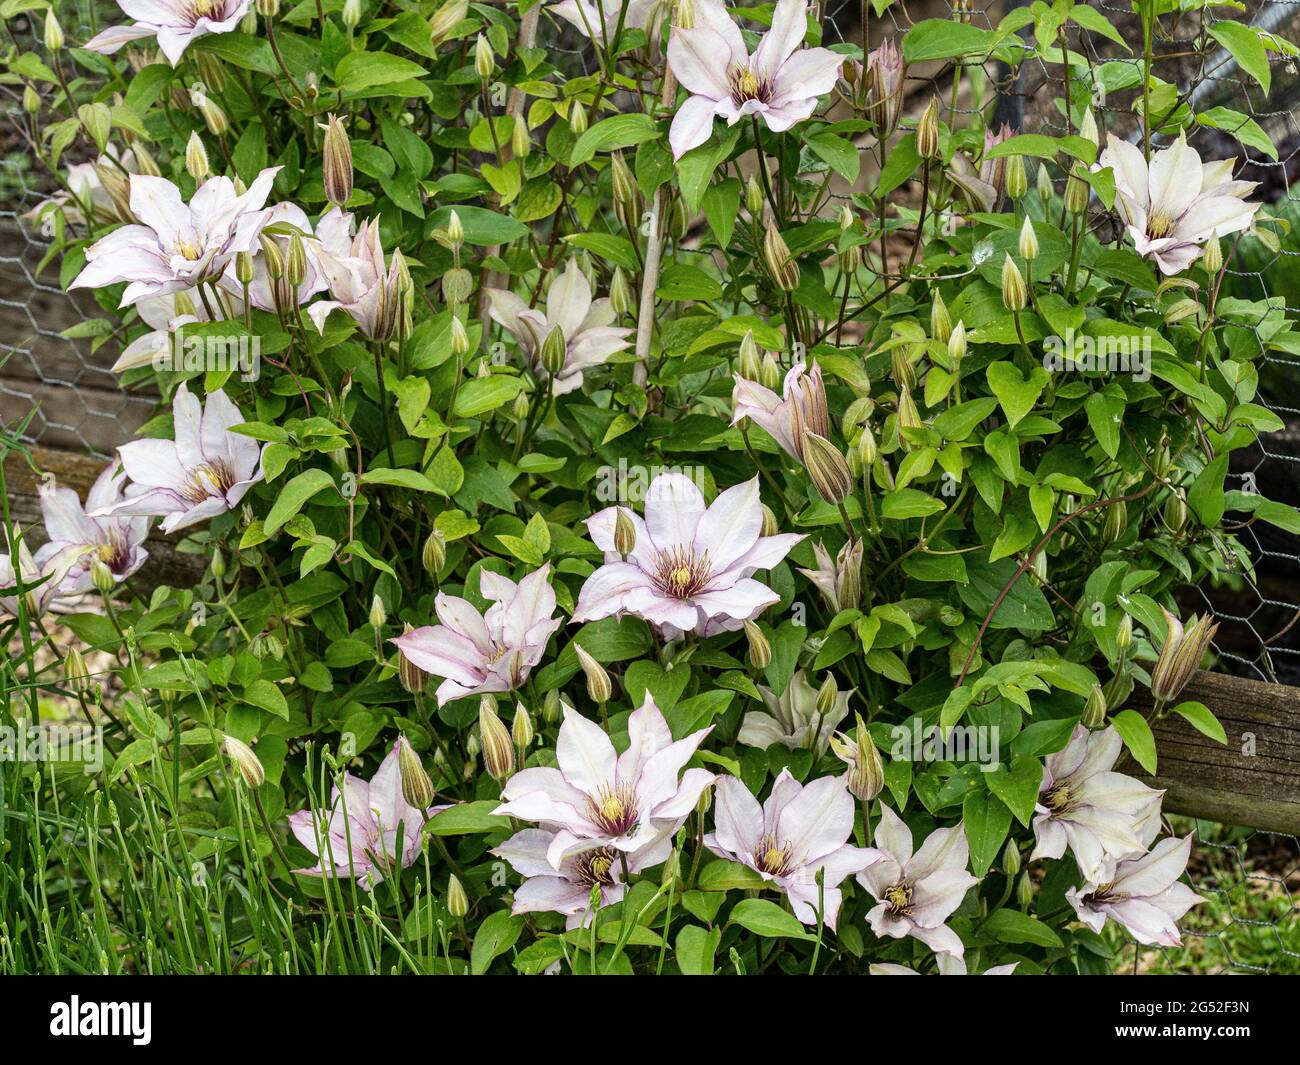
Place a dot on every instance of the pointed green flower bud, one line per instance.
(245, 760)
(53, 33)
(521, 729)
(957, 342)
(76, 677)
(417, 788)
(498, 747)
(827, 468)
(1017, 180)
(599, 687)
(336, 162)
(577, 118)
(620, 293)
(484, 61)
(760, 649)
(378, 615)
(624, 533)
(781, 268)
(1028, 241)
(927, 131)
(940, 321)
(1044, 183)
(1094, 709)
(457, 900)
(196, 159)
(554, 351)
(1014, 293)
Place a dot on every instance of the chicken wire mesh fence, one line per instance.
(59, 388)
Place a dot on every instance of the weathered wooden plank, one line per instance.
(166, 564)
(1254, 780)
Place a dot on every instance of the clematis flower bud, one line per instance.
(412, 677)
(751, 366)
(554, 351)
(770, 527)
(577, 118)
(455, 231)
(268, 9)
(417, 788)
(770, 375)
(521, 729)
(498, 747)
(1094, 709)
(1213, 260)
(884, 78)
(433, 556)
(599, 687)
(53, 33)
(754, 198)
(457, 900)
(1028, 241)
(31, 100)
(520, 142)
(552, 706)
(868, 449)
(446, 19)
(245, 761)
(901, 369)
(624, 533)
(336, 162)
(1016, 178)
(782, 269)
(848, 575)
(1124, 634)
(1088, 128)
(927, 131)
(76, 677)
(1116, 521)
(213, 115)
(484, 61)
(1044, 183)
(760, 649)
(196, 159)
(1181, 654)
(957, 342)
(1014, 293)
(940, 321)
(378, 615)
(459, 338)
(144, 162)
(351, 14)
(295, 263)
(1011, 858)
(620, 293)
(1076, 192)
(866, 775)
(827, 468)
(102, 577)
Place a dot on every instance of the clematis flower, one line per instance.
(118, 541)
(477, 654)
(800, 831)
(176, 245)
(1180, 654)
(993, 172)
(948, 966)
(1100, 814)
(585, 17)
(801, 406)
(598, 800)
(918, 892)
(690, 568)
(204, 472)
(884, 78)
(175, 23)
(839, 580)
(361, 285)
(567, 890)
(1141, 893)
(1174, 206)
(590, 337)
(781, 81)
(792, 718)
(42, 575)
(261, 292)
(360, 831)
(86, 188)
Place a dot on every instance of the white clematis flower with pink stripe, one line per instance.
(780, 82)
(1142, 893)
(177, 245)
(596, 799)
(204, 472)
(117, 541)
(478, 654)
(175, 23)
(691, 567)
(1177, 204)
(800, 831)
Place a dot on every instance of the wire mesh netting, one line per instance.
(1250, 921)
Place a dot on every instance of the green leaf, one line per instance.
(1136, 734)
(621, 131)
(1017, 786)
(944, 39)
(496, 935)
(468, 819)
(987, 821)
(1201, 718)
(266, 696)
(765, 918)
(837, 152)
(695, 949)
(411, 479)
(728, 876)
(1016, 394)
(482, 394)
(363, 70)
(293, 497)
(1246, 48)
(1012, 926)
(1105, 412)
(1206, 497)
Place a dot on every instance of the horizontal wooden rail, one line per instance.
(1255, 779)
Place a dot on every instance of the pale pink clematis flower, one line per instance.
(117, 541)
(359, 833)
(781, 81)
(261, 293)
(792, 718)
(42, 575)
(167, 315)
(1142, 893)
(590, 337)
(477, 654)
(175, 24)
(567, 890)
(918, 892)
(800, 407)
(690, 569)
(176, 245)
(204, 472)
(584, 16)
(85, 188)
(360, 285)
(597, 799)
(797, 833)
(1100, 814)
(1176, 205)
